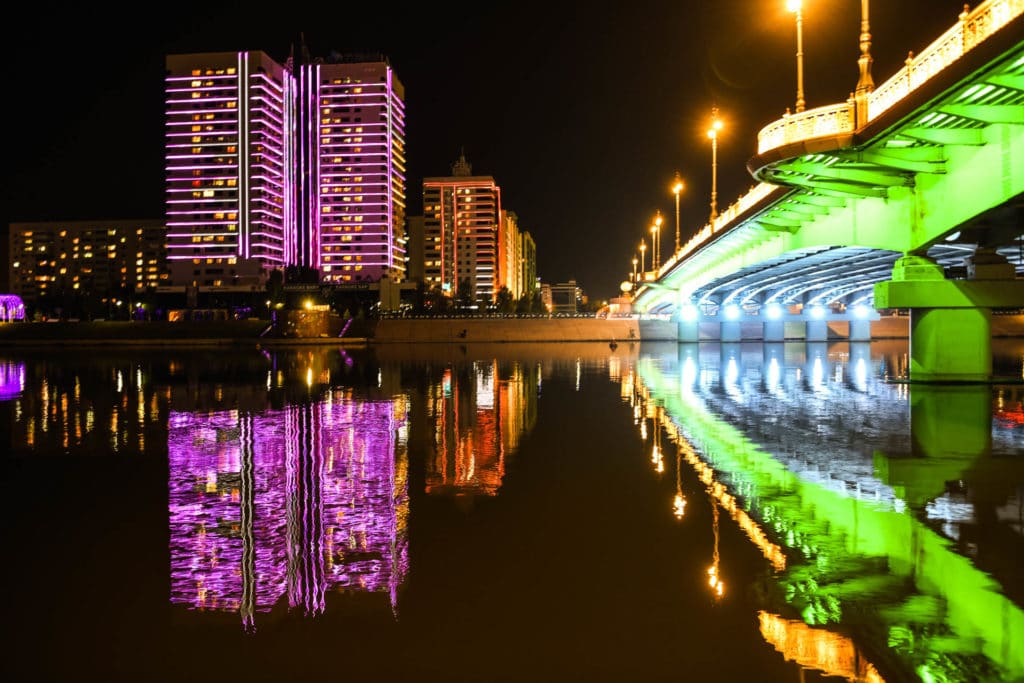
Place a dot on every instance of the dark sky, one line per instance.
(581, 112)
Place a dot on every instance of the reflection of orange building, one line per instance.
(816, 648)
(479, 411)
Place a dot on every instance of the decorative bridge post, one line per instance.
(951, 320)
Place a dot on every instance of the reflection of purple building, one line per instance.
(12, 379)
(297, 502)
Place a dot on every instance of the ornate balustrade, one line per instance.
(973, 28)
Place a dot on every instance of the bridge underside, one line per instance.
(825, 276)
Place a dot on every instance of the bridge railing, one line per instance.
(721, 222)
(972, 28)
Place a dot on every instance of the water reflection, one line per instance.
(480, 409)
(872, 503)
(855, 525)
(289, 503)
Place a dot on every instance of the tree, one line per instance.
(465, 293)
(505, 302)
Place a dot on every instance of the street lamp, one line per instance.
(643, 248)
(797, 7)
(677, 187)
(865, 84)
(656, 242)
(634, 268)
(716, 125)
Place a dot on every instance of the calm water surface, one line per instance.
(733, 512)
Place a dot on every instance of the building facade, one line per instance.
(228, 152)
(354, 169)
(71, 260)
(271, 165)
(461, 234)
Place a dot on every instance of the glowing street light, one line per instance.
(634, 268)
(643, 248)
(797, 7)
(656, 242)
(716, 125)
(677, 187)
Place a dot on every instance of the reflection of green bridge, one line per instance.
(907, 196)
(865, 564)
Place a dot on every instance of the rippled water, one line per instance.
(759, 512)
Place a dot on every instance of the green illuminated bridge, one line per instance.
(910, 195)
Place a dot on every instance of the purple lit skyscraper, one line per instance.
(352, 160)
(272, 165)
(228, 151)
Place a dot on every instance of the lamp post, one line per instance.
(643, 248)
(797, 7)
(656, 242)
(634, 269)
(716, 126)
(865, 84)
(677, 187)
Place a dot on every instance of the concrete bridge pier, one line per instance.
(688, 330)
(729, 331)
(951, 320)
(860, 330)
(774, 331)
(816, 330)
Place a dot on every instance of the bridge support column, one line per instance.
(950, 320)
(730, 331)
(774, 330)
(688, 330)
(817, 331)
(860, 330)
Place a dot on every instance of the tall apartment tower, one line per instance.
(229, 155)
(461, 226)
(352, 169)
(272, 165)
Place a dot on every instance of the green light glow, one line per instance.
(873, 556)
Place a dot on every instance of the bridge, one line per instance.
(908, 196)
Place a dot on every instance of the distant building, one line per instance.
(461, 225)
(77, 259)
(414, 233)
(566, 297)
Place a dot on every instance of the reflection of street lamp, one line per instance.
(714, 578)
(716, 126)
(797, 6)
(679, 502)
(677, 187)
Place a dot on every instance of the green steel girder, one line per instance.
(773, 225)
(823, 200)
(866, 176)
(987, 113)
(903, 159)
(1007, 80)
(840, 189)
(945, 136)
(804, 209)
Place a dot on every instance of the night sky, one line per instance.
(581, 112)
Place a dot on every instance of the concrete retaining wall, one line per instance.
(463, 330)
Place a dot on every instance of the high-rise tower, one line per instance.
(461, 216)
(353, 162)
(228, 152)
(272, 165)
